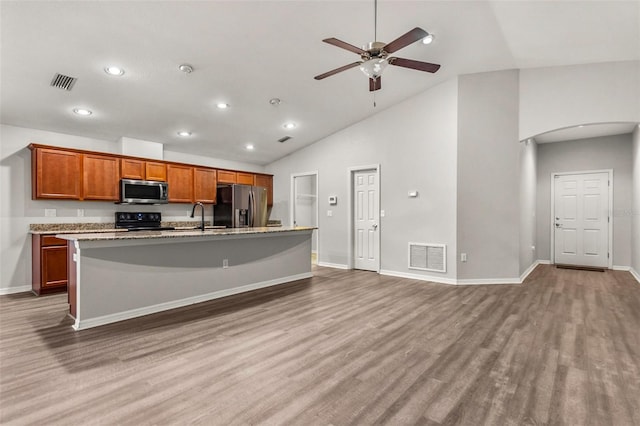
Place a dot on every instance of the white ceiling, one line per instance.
(246, 52)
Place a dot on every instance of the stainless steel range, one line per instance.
(141, 221)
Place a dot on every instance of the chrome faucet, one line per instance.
(193, 212)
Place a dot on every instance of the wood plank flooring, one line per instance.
(342, 348)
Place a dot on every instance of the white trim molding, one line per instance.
(621, 268)
(635, 274)
(409, 275)
(333, 265)
(14, 290)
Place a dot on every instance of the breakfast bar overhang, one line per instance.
(122, 275)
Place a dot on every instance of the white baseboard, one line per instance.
(13, 290)
(621, 268)
(138, 312)
(332, 265)
(543, 262)
(430, 278)
(490, 281)
(635, 274)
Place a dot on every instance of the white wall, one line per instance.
(559, 97)
(607, 152)
(415, 143)
(488, 176)
(18, 210)
(528, 199)
(635, 211)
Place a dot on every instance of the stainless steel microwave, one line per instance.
(143, 192)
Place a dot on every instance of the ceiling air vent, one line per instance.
(428, 257)
(62, 81)
(284, 139)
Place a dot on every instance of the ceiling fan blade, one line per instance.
(416, 65)
(375, 84)
(406, 39)
(336, 71)
(344, 45)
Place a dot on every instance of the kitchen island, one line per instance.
(114, 276)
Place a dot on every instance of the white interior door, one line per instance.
(581, 219)
(365, 220)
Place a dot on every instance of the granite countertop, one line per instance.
(178, 233)
(93, 228)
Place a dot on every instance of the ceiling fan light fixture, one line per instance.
(373, 67)
(428, 39)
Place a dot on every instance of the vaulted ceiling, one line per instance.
(245, 53)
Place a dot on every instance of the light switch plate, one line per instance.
(381, 213)
(329, 213)
(49, 212)
(80, 212)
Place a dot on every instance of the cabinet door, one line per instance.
(100, 177)
(180, 181)
(54, 266)
(246, 178)
(225, 176)
(204, 185)
(57, 174)
(155, 171)
(266, 181)
(132, 169)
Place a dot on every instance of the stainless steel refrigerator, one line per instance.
(240, 206)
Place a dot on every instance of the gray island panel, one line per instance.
(118, 277)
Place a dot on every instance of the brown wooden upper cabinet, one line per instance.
(100, 177)
(56, 174)
(72, 174)
(266, 181)
(225, 176)
(204, 185)
(246, 178)
(180, 181)
(140, 169)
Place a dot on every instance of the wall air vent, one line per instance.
(284, 139)
(62, 81)
(428, 257)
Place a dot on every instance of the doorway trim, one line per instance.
(292, 201)
(610, 211)
(351, 171)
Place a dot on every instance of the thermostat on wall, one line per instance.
(333, 200)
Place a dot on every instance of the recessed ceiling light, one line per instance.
(184, 133)
(289, 125)
(582, 125)
(114, 70)
(186, 68)
(222, 105)
(82, 111)
(428, 39)
(275, 101)
(249, 147)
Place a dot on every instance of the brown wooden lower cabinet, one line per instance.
(49, 264)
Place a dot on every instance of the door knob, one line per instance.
(558, 225)
(375, 226)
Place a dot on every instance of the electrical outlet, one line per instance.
(49, 212)
(463, 257)
(329, 213)
(225, 263)
(80, 212)
(381, 213)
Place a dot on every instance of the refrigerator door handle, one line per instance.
(251, 209)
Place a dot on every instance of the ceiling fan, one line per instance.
(375, 56)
